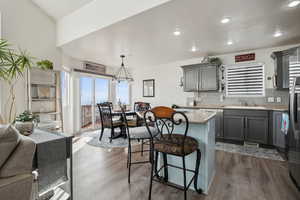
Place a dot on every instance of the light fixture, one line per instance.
(225, 20)
(294, 3)
(194, 49)
(177, 32)
(277, 34)
(122, 73)
(229, 42)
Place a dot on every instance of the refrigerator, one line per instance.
(293, 137)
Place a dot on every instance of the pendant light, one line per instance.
(122, 73)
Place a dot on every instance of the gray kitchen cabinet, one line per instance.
(256, 129)
(246, 125)
(200, 77)
(208, 78)
(234, 128)
(278, 135)
(191, 74)
(281, 61)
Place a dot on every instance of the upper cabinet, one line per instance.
(200, 77)
(281, 59)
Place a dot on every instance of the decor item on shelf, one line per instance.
(25, 123)
(122, 73)
(149, 88)
(44, 92)
(215, 60)
(205, 60)
(13, 65)
(45, 64)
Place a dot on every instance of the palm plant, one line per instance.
(13, 65)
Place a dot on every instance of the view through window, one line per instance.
(92, 91)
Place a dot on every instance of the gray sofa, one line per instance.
(16, 156)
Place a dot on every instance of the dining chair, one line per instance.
(107, 120)
(141, 107)
(172, 140)
(136, 133)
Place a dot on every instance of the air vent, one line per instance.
(94, 67)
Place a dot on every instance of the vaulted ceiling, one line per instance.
(60, 8)
(147, 38)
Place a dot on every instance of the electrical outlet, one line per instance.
(278, 99)
(271, 99)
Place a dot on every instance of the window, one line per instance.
(245, 80)
(123, 92)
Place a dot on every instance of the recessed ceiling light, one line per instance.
(194, 49)
(177, 32)
(229, 42)
(294, 3)
(277, 34)
(225, 20)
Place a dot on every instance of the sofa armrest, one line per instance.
(20, 161)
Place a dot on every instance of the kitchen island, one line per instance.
(202, 128)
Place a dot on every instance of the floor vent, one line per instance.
(251, 144)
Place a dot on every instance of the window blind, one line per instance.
(294, 71)
(245, 80)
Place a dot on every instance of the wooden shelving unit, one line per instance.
(44, 98)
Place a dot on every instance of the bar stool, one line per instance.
(170, 143)
(137, 133)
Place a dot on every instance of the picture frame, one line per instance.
(149, 88)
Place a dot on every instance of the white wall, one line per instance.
(24, 25)
(167, 77)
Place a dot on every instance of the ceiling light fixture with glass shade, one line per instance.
(294, 3)
(123, 74)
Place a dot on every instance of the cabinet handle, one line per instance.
(246, 123)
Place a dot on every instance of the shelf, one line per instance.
(46, 113)
(43, 85)
(43, 99)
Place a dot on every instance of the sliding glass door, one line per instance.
(101, 95)
(93, 90)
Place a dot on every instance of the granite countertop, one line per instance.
(199, 116)
(256, 107)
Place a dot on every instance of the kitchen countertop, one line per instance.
(239, 107)
(199, 116)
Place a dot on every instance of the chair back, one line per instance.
(105, 110)
(166, 119)
(141, 106)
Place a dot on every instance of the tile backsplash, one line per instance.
(217, 98)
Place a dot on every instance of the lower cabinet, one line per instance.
(278, 135)
(256, 129)
(234, 128)
(246, 125)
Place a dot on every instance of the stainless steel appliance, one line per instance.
(293, 150)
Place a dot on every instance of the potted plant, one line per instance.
(25, 122)
(45, 64)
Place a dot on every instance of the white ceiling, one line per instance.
(148, 40)
(60, 8)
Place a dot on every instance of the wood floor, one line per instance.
(102, 175)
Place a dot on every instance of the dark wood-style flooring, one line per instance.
(102, 175)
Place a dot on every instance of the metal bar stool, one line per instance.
(170, 143)
(137, 133)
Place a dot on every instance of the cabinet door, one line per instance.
(256, 129)
(191, 79)
(208, 78)
(234, 128)
(278, 136)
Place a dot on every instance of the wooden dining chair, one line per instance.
(172, 140)
(107, 120)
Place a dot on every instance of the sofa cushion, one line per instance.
(9, 139)
(20, 161)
